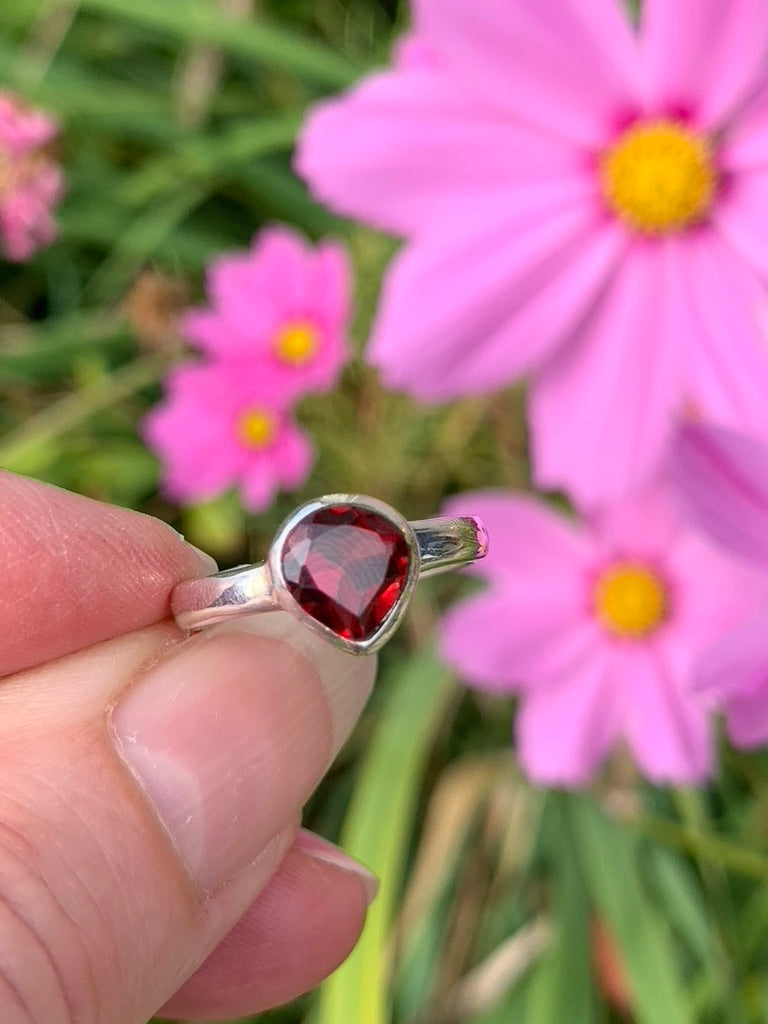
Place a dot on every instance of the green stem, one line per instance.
(72, 410)
(707, 847)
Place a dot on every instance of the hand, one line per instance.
(151, 784)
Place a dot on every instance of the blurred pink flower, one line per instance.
(280, 310)
(596, 625)
(722, 480)
(31, 183)
(584, 204)
(217, 428)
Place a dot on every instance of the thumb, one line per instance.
(149, 787)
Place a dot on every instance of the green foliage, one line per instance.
(378, 829)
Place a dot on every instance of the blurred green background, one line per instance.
(499, 903)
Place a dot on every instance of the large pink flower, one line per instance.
(281, 310)
(218, 429)
(722, 479)
(596, 625)
(584, 203)
(31, 183)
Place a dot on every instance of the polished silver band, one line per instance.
(441, 544)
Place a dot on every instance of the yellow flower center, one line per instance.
(297, 343)
(630, 600)
(256, 428)
(659, 177)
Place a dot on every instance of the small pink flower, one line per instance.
(585, 204)
(722, 481)
(596, 626)
(281, 310)
(31, 183)
(217, 428)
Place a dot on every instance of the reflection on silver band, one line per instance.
(442, 544)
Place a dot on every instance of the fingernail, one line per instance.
(208, 564)
(229, 735)
(328, 853)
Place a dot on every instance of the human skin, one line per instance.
(151, 783)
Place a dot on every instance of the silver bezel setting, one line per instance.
(434, 546)
(288, 602)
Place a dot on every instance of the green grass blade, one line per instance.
(685, 906)
(378, 830)
(562, 986)
(610, 861)
(198, 21)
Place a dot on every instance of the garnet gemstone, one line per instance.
(346, 567)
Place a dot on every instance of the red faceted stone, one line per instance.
(346, 567)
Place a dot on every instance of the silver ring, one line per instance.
(344, 564)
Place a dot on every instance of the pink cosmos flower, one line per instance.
(31, 183)
(722, 479)
(584, 203)
(280, 310)
(217, 429)
(596, 626)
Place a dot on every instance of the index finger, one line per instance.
(74, 571)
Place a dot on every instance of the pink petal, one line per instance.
(545, 315)
(703, 55)
(192, 437)
(281, 282)
(210, 332)
(518, 634)
(26, 222)
(735, 671)
(564, 729)
(258, 486)
(600, 411)
(250, 295)
(737, 663)
(741, 214)
(645, 525)
(711, 592)
(294, 457)
(329, 286)
(666, 727)
(746, 718)
(229, 279)
(411, 53)
(282, 258)
(744, 147)
(722, 480)
(284, 464)
(199, 479)
(22, 129)
(565, 65)
(196, 465)
(474, 305)
(194, 433)
(274, 271)
(527, 538)
(725, 355)
(408, 147)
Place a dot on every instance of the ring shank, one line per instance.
(442, 544)
(447, 543)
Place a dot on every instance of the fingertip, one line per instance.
(300, 929)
